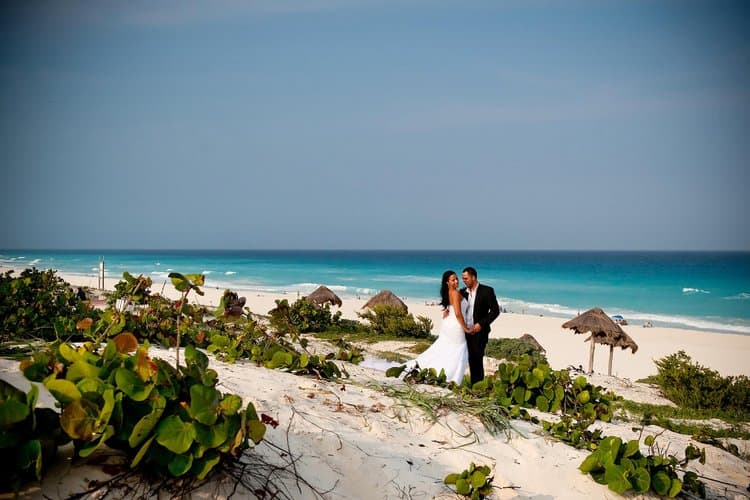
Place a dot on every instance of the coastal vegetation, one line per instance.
(690, 385)
(170, 420)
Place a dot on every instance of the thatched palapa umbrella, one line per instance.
(603, 331)
(388, 298)
(323, 295)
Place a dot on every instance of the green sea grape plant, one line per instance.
(184, 283)
(173, 421)
(622, 467)
(36, 304)
(130, 289)
(29, 437)
(474, 483)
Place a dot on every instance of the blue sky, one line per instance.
(407, 125)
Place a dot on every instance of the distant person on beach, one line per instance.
(482, 311)
(449, 352)
(80, 294)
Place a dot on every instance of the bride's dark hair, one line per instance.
(444, 301)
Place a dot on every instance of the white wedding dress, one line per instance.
(449, 351)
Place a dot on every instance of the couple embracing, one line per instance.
(463, 335)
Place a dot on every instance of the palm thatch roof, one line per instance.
(323, 295)
(388, 298)
(603, 330)
(529, 339)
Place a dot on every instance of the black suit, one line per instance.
(486, 310)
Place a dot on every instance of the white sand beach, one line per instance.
(726, 353)
(351, 441)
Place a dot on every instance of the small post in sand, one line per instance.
(101, 273)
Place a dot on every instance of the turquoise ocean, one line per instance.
(696, 290)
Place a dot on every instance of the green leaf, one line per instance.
(146, 424)
(81, 369)
(304, 359)
(583, 397)
(230, 404)
(451, 479)
(542, 403)
(609, 449)
(142, 452)
(616, 477)
(462, 487)
(90, 385)
(69, 354)
(212, 436)
(204, 404)
(674, 488)
(180, 464)
(79, 419)
(64, 391)
(631, 448)
(641, 480)
(30, 457)
(478, 479)
(661, 483)
(196, 279)
(256, 430)
(90, 448)
(195, 358)
(203, 466)
(179, 281)
(649, 441)
(132, 385)
(12, 411)
(175, 435)
(590, 463)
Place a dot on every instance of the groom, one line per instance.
(483, 309)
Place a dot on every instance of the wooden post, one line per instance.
(101, 273)
(611, 349)
(591, 355)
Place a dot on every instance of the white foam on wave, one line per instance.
(694, 290)
(407, 278)
(35, 261)
(739, 296)
(633, 317)
(229, 273)
(206, 272)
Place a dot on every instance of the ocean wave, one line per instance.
(206, 272)
(694, 290)
(739, 296)
(407, 278)
(35, 261)
(229, 273)
(633, 317)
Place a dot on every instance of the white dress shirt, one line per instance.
(469, 316)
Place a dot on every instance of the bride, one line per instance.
(449, 352)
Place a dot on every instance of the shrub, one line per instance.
(691, 385)
(135, 290)
(301, 317)
(29, 437)
(622, 467)
(32, 303)
(510, 349)
(394, 321)
(172, 420)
